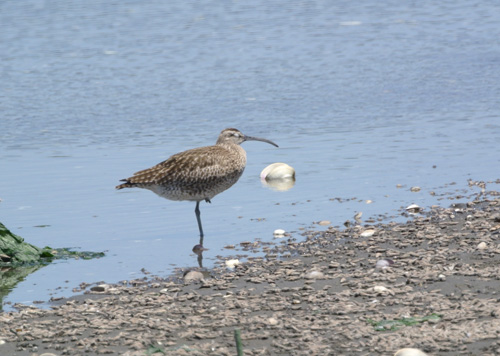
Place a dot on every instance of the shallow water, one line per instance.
(360, 97)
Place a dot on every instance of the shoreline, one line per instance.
(324, 297)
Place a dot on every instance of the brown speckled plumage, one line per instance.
(197, 174)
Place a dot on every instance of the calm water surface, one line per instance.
(360, 97)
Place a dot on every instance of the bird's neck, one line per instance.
(237, 149)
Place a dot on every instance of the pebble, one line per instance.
(2, 342)
(324, 222)
(415, 189)
(99, 288)
(482, 246)
(193, 276)
(442, 277)
(410, 352)
(367, 233)
(48, 354)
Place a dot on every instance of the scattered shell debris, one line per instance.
(283, 308)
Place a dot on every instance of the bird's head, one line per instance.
(237, 137)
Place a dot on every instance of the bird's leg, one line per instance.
(197, 212)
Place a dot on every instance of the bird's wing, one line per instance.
(203, 162)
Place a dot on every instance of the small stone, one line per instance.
(482, 246)
(324, 222)
(99, 288)
(442, 277)
(193, 276)
(415, 189)
(367, 233)
(314, 275)
(410, 352)
(369, 201)
(358, 216)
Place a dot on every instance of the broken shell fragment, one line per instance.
(385, 263)
(315, 275)
(367, 233)
(232, 263)
(482, 246)
(193, 276)
(380, 289)
(413, 209)
(279, 233)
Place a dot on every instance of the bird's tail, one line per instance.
(127, 184)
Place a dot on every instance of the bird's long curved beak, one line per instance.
(251, 138)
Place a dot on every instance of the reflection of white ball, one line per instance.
(277, 171)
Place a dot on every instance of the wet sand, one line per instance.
(440, 295)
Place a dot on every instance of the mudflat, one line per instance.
(430, 283)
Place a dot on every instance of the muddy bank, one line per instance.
(325, 298)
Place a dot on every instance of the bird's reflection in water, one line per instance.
(198, 250)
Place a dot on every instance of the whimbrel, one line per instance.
(197, 174)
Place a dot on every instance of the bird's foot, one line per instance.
(208, 200)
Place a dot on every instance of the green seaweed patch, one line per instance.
(50, 254)
(392, 325)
